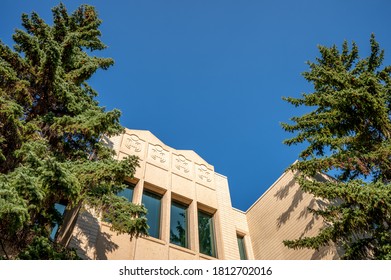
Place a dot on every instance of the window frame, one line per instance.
(186, 209)
(60, 207)
(159, 197)
(129, 186)
(212, 234)
(242, 246)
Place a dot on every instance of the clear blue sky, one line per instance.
(208, 75)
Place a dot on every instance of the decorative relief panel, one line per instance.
(158, 154)
(182, 164)
(204, 174)
(134, 144)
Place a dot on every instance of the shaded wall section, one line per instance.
(281, 213)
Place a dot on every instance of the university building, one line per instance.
(190, 212)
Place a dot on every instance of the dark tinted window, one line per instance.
(206, 234)
(178, 225)
(152, 202)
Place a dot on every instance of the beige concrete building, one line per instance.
(191, 215)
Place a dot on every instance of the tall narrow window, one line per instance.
(127, 192)
(206, 234)
(152, 202)
(60, 209)
(242, 248)
(178, 224)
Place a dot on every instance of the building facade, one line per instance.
(190, 212)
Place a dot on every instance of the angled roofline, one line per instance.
(275, 182)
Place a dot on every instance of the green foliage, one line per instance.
(348, 133)
(51, 128)
(117, 213)
(43, 248)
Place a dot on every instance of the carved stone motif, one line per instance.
(158, 154)
(204, 173)
(133, 143)
(182, 164)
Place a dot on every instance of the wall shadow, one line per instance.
(85, 237)
(324, 252)
(282, 194)
(106, 245)
(291, 196)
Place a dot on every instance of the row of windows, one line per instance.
(179, 233)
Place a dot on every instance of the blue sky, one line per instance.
(209, 75)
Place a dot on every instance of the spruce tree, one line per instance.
(347, 133)
(51, 129)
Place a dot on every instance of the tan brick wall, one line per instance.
(240, 219)
(280, 214)
(85, 234)
(227, 232)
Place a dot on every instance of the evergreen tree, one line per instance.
(348, 134)
(51, 128)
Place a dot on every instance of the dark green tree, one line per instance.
(347, 133)
(51, 130)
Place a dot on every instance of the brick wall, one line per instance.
(280, 214)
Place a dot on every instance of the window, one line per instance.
(206, 234)
(61, 209)
(242, 248)
(178, 225)
(127, 192)
(152, 202)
